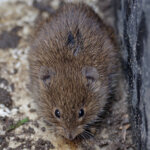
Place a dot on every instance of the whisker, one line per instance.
(88, 134)
(82, 135)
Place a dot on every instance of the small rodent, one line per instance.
(74, 66)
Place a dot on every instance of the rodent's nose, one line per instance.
(71, 137)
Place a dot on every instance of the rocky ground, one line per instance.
(17, 20)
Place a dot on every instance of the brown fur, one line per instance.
(93, 45)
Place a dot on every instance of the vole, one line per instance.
(74, 65)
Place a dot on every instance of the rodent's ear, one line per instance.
(46, 74)
(90, 73)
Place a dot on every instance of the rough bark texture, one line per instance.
(132, 23)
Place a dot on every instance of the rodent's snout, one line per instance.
(70, 135)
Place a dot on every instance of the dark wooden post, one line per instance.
(133, 27)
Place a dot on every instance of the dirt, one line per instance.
(5, 98)
(9, 39)
(28, 131)
(17, 21)
(43, 6)
(4, 81)
(40, 144)
(43, 145)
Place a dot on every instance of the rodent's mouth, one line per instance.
(70, 136)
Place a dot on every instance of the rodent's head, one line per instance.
(71, 98)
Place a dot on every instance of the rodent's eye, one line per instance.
(57, 113)
(81, 113)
